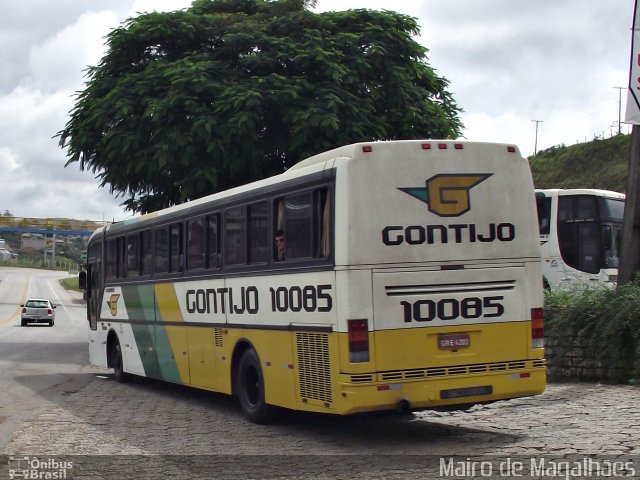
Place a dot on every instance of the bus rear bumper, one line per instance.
(438, 393)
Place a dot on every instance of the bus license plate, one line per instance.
(453, 341)
(466, 392)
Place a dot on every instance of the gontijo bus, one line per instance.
(410, 280)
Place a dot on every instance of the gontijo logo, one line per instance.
(447, 195)
(112, 303)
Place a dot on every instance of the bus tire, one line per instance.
(251, 389)
(115, 361)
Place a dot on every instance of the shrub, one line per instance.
(597, 328)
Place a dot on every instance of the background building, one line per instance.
(5, 254)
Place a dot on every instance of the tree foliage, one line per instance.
(187, 103)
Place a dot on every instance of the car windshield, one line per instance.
(37, 304)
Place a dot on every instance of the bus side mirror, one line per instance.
(82, 280)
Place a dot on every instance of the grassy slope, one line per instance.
(597, 164)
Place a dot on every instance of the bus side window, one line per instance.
(195, 244)
(257, 231)
(324, 203)
(176, 248)
(544, 214)
(132, 256)
(111, 254)
(121, 264)
(235, 237)
(305, 220)
(298, 226)
(161, 250)
(146, 252)
(565, 209)
(213, 243)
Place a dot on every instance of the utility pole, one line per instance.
(620, 108)
(630, 255)
(535, 147)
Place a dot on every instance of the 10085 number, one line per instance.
(452, 308)
(310, 298)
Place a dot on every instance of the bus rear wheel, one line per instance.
(251, 388)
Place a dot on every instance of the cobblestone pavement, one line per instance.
(151, 418)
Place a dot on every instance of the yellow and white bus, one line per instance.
(377, 276)
(580, 237)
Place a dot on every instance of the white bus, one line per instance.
(378, 276)
(580, 237)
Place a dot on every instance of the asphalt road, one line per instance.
(36, 360)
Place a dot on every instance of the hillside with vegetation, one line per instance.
(597, 164)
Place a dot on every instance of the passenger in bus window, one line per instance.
(279, 245)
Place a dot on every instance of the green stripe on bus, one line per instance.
(144, 335)
(167, 366)
(139, 302)
(171, 341)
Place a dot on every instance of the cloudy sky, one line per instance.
(509, 62)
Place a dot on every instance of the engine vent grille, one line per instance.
(218, 337)
(362, 378)
(314, 366)
(540, 363)
(461, 370)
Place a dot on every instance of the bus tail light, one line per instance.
(537, 328)
(358, 340)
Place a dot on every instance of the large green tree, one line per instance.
(187, 103)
